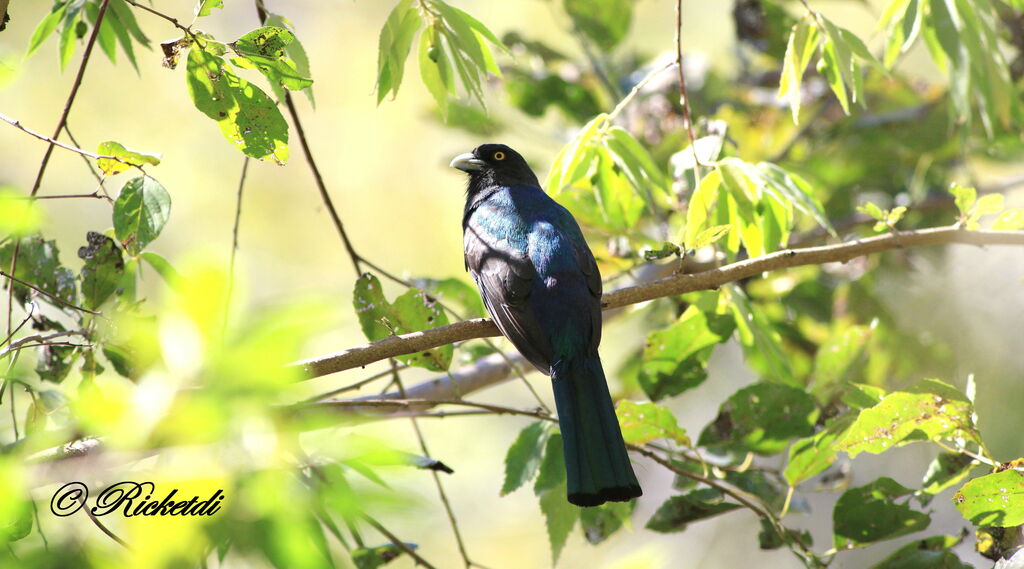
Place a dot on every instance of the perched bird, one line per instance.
(540, 284)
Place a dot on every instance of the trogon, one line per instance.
(541, 285)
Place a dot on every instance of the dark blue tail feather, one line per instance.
(596, 464)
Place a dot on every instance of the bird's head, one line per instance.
(494, 165)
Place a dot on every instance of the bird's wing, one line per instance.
(506, 277)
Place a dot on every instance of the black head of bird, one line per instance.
(494, 165)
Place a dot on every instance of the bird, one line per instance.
(540, 284)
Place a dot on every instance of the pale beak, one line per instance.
(467, 163)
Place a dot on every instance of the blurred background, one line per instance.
(386, 169)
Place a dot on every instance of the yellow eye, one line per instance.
(499, 155)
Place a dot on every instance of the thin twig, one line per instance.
(46, 294)
(188, 31)
(49, 148)
(85, 153)
(398, 542)
(88, 164)
(669, 286)
(684, 99)
(437, 479)
(99, 524)
(234, 243)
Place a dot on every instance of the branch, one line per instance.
(17, 124)
(673, 285)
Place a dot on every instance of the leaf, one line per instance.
(759, 338)
(206, 7)
(605, 22)
(665, 250)
(993, 500)
(928, 553)
(943, 472)
(246, 116)
(433, 70)
(872, 211)
(39, 265)
(46, 27)
(266, 49)
(18, 216)
(454, 290)
(163, 268)
(642, 423)
(761, 418)
(1009, 220)
(790, 188)
(639, 166)
(802, 41)
(928, 410)
(710, 235)
(674, 358)
(393, 47)
(295, 51)
(964, 198)
(374, 557)
(702, 201)
(869, 513)
(707, 150)
(559, 517)
(569, 165)
(836, 358)
(600, 522)
(552, 466)
(523, 457)
(125, 158)
(140, 213)
(986, 205)
(810, 456)
(102, 270)
(678, 511)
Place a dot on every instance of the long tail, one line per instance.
(596, 464)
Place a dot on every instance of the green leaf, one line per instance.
(836, 358)
(759, 338)
(454, 290)
(761, 418)
(102, 270)
(605, 22)
(19, 525)
(928, 410)
(18, 216)
(787, 187)
(1009, 220)
(523, 457)
(711, 235)
(639, 166)
(964, 198)
(206, 7)
(642, 423)
(67, 33)
(570, 165)
(869, 513)
(46, 27)
(674, 359)
(702, 201)
(163, 268)
(296, 52)
(810, 456)
(928, 553)
(678, 511)
(559, 516)
(140, 213)
(707, 150)
(375, 557)
(802, 41)
(434, 70)
(552, 466)
(943, 472)
(600, 522)
(393, 47)
(266, 48)
(872, 210)
(993, 500)
(39, 265)
(246, 116)
(412, 311)
(862, 396)
(986, 205)
(125, 158)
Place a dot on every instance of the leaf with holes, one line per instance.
(993, 500)
(102, 271)
(140, 213)
(642, 423)
(870, 513)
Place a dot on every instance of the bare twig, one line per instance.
(56, 132)
(398, 542)
(668, 286)
(684, 99)
(99, 524)
(17, 124)
(188, 30)
(46, 294)
(234, 242)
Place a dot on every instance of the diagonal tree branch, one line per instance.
(675, 284)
